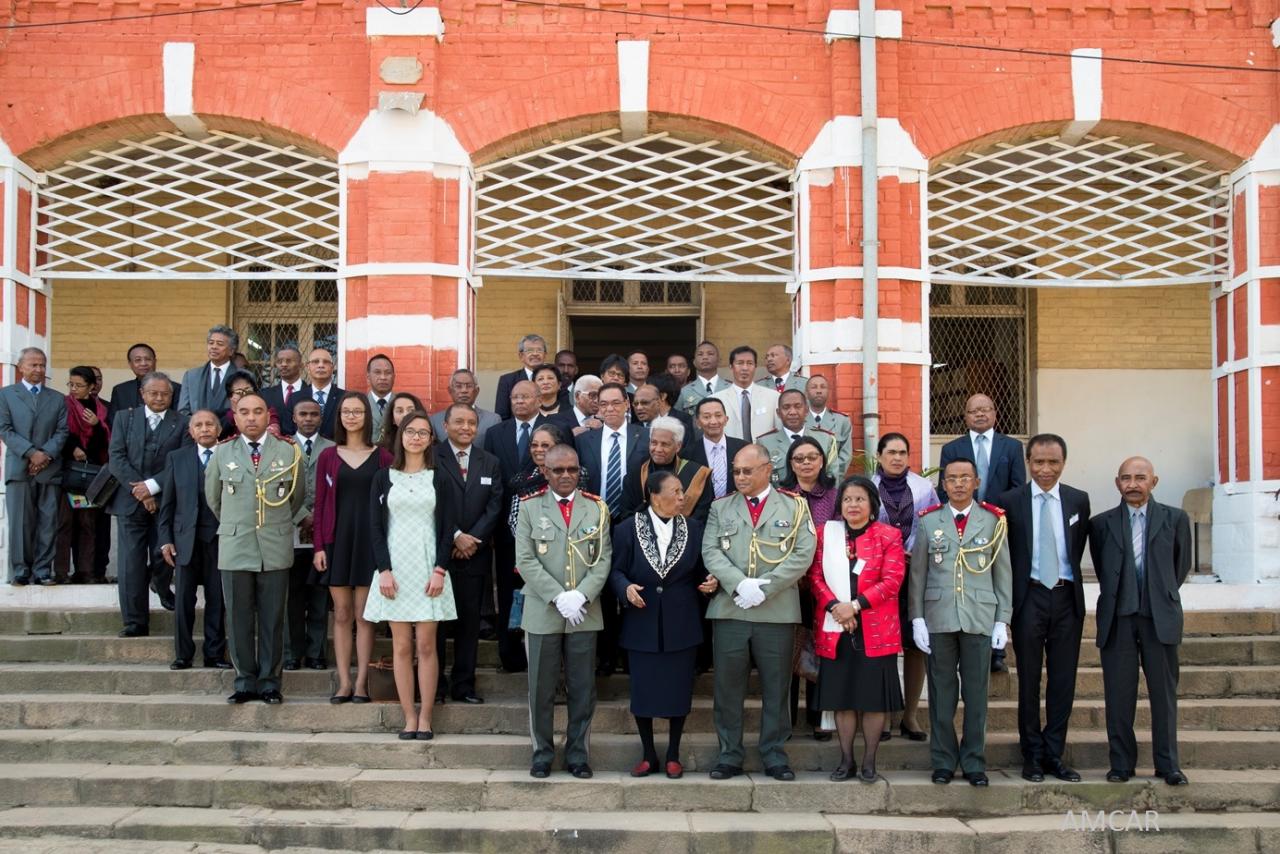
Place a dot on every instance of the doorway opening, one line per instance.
(596, 336)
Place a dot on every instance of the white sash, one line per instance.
(835, 568)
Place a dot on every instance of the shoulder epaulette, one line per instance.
(726, 496)
(929, 510)
(991, 508)
(228, 439)
(767, 433)
(590, 495)
(540, 491)
(823, 430)
(838, 412)
(790, 492)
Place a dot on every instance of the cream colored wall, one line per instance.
(1133, 328)
(758, 315)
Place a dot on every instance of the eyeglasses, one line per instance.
(806, 458)
(418, 434)
(978, 410)
(744, 472)
(561, 471)
(351, 413)
(957, 478)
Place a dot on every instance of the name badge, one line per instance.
(280, 490)
(1075, 517)
(486, 481)
(857, 567)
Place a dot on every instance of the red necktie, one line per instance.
(566, 510)
(961, 519)
(288, 393)
(755, 506)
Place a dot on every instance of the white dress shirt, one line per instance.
(1059, 534)
(30, 388)
(153, 420)
(326, 391)
(991, 438)
(606, 445)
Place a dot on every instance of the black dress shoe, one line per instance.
(133, 632)
(217, 665)
(408, 735)
(998, 666)
(1174, 778)
(339, 699)
(977, 778)
(470, 700)
(166, 597)
(1061, 771)
(315, 664)
(725, 772)
(179, 664)
(540, 770)
(1114, 776)
(1032, 773)
(842, 773)
(820, 735)
(50, 581)
(912, 734)
(21, 580)
(942, 776)
(582, 772)
(781, 772)
(272, 698)
(244, 697)
(291, 664)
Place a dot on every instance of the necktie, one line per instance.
(777, 384)
(754, 501)
(217, 379)
(153, 421)
(288, 393)
(462, 463)
(255, 451)
(382, 407)
(204, 457)
(308, 447)
(1048, 543)
(613, 476)
(566, 510)
(35, 389)
(982, 460)
(320, 398)
(1138, 521)
(719, 472)
(709, 391)
(522, 442)
(746, 416)
(817, 421)
(961, 519)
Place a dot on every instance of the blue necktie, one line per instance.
(320, 398)
(982, 460)
(1047, 568)
(35, 389)
(613, 476)
(1138, 521)
(204, 457)
(522, 443)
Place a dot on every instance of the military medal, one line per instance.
(937, 535)
(724, 543)
(280, 490)
(542, 548)
(980, 541)
(937, 557)
(982, 561)
(593, 551)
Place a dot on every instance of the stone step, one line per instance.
(1197, 681)
(499, 715)
(1221, 651)
(96, 621)
(640, 832)
(906, 793)
(611, 752)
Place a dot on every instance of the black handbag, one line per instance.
(102, 487)
(78, 476)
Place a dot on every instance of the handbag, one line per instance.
(517, 610)
(382, 682)
(804, 661)
(102, 487)
(77, 476)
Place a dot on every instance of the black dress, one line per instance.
(854, 681)
(351, 553)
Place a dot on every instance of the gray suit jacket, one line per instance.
(378, 416)
(196, 393)
(32, 422)
(129, 460)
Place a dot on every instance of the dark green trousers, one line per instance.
(959, 666)
(736, 643)
(255, 603)
(577, 652)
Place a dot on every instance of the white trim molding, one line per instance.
(1086, 91)
(839, 143)
(179, 66)
(633, 89)
(402, 268)
(843, 24)
(398, 141)
(402, 330)
(418, 21)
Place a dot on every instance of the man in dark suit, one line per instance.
(307, 608)
(205, 387)
(509, 442)
(188, 532)
(468, 483)
(324, 390)
(128, 394)
(998, 459)
(532, 352)
(1048, 527)
(714, 449)
(1142, 553)
(658, 400)
(279, 397)
(33, 427)
(141, 439)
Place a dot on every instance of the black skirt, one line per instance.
(854, 681)
(350, 555)
(662, 682)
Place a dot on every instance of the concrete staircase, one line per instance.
(103, 748)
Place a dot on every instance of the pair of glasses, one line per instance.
(806, 458)
(561, 471)
(958, 478)
(351, 413)
(418, 434)
(743, 472)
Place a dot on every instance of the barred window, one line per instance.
(270, 314)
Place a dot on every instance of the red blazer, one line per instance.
(325, 515)
(878, 584)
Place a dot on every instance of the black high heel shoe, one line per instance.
(913, 735)
(867, 775)
(843, 772)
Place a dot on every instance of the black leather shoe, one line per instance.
(842, 773)
(1174, 778)
(781, 772)
(272, 698)
(360, 698)
(21, 580)
(867, 775)
(725, 772)
(179, 664)
(998, 666)
(470, 700)
(977, 778)
(819, 735)
(1061, 771)
(540, 770)
(582, 772)
(244, 697)
(47, 582)
(1114, 776)
(132, 632)
(291, 664)
(218, 665)
(942, 776)
(166, 597)
(315, 664)
(912, 734)
(1032, 773)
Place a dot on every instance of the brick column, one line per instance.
(829, 252)
(24, 308)
(406, 207)
(1246, 377)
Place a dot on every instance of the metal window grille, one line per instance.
(223, 207)
(1099, 211)
(601, 208)
(269, 314)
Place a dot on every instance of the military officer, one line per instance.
(792, 408)
(563, 553)
(253, 486)
(818, 391)
(961, 602)
(758, 543)
(706, 379)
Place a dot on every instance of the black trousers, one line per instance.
(1046, 631)
(307, 611)
(468, 599)
(201, 572)
(1133, 640)
(255, 626)
(511, 650)
(607, 643)
(137, 535)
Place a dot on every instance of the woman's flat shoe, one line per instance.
(409, 735)
(867, 775)
(841, 774)
(643, 768)
(674, 770)
(914, 735)
(339, 699)
(425, 735)
(360, 698)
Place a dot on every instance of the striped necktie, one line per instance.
(613, 476)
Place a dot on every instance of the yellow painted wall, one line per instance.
(758, 315)
(506, 311)
(1135, 328)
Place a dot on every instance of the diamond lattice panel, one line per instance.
(599, 207)
(1099, 211)
(172, 207)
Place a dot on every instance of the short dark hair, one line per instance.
(398, 455)
(790, 481)
(128, 354)
(613, 360)
(666, 386)
(366, 429)
(560, 353)
(889, 437)
(619, 386)
(787, 391)
(638, 353)
(449, 410)
(707, 342)
(547, 366)
(375, 357)
(85, 373)
(867, 485)
(299, 399)
(950, 463)
(1047, 439)
(656, 480)
(237, 375)
(738, 351)
(697, 409)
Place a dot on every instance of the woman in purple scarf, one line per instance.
(903, 495)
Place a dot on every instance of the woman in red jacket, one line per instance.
(857, 571)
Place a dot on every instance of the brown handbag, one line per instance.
(382, 682)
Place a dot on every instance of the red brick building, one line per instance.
(1078, 203)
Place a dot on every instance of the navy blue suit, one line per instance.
(186, 522)
(1005, 468)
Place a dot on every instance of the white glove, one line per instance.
(569, 603)
(576, 618)
(999, 636)
(748, 593)
(920, 634)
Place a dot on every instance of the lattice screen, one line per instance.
(601, 208)
(172, 207)
(1099, 211)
